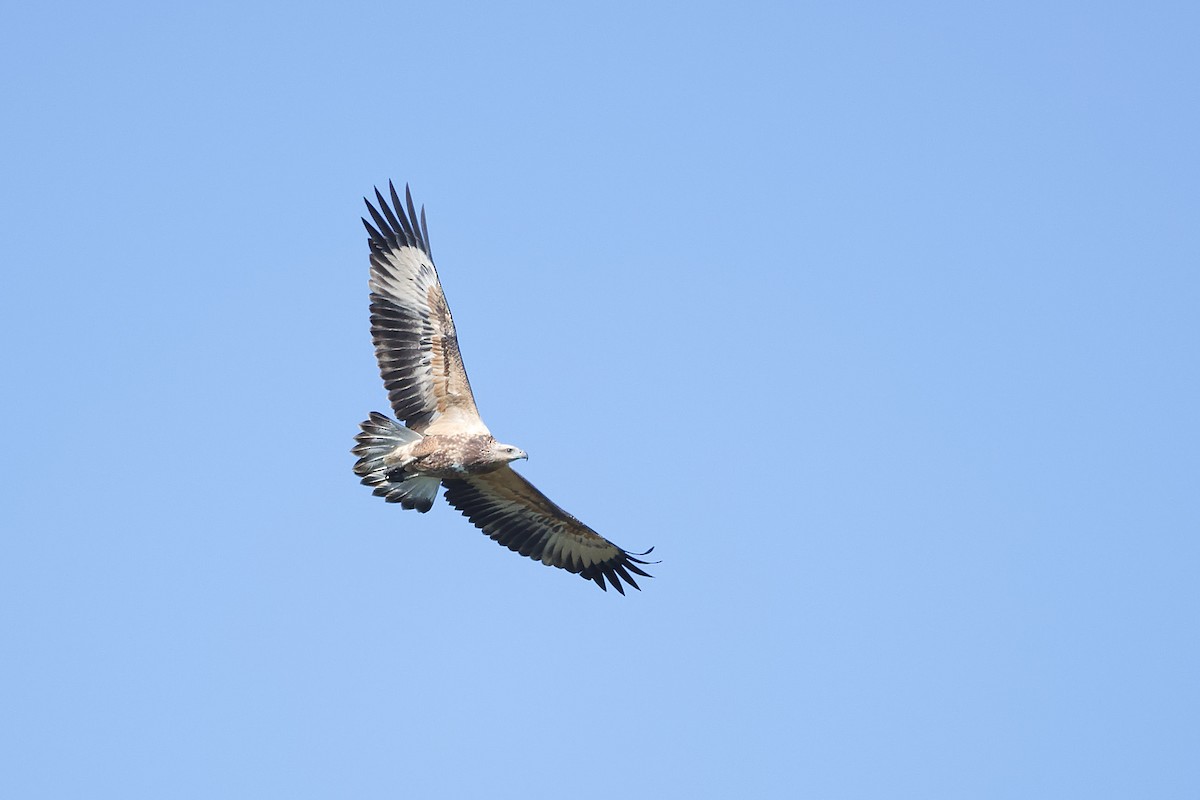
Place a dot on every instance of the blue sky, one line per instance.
(878, 321)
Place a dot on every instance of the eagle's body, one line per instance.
(447, 456)
(443, 441)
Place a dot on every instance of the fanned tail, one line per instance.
(379, 465)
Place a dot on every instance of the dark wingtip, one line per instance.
(624, 573)
(374, 237)
(414, 219)
(635, 557)
(397, 223)
(425, 233)
(615, 581)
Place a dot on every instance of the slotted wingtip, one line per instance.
(637, 557)
(396, 223)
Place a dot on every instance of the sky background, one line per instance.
(879, 321)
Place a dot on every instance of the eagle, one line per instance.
(442, 441)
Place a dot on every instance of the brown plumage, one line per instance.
(443, 441)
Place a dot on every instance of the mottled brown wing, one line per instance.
(512, 511)
(414, 336)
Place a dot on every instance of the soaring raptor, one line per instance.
(443, 441)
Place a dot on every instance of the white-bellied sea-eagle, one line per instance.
(443, 441)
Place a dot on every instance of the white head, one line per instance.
(507, 452)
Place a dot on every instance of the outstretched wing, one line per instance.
(411, 325)
(509, 509)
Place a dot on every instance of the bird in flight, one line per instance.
(443, 441)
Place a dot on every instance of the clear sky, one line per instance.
(878, 320)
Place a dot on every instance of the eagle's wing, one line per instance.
(411, 324)
(509, 509)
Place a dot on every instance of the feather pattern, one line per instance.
(446, 442)
(411, 325)
(514, 513)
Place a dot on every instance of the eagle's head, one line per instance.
(507, 452)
